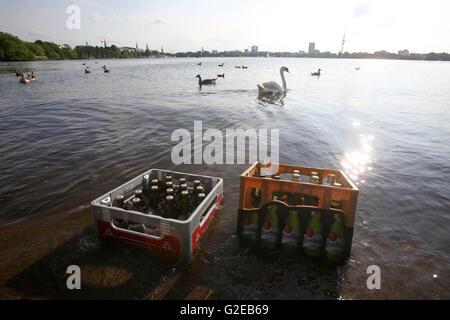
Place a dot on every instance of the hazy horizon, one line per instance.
(181, 25)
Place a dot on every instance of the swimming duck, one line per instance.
(221, 75)
(206, 81)
(316, 73)
(237, 67)
(221, 65)
(244, 67)
(106, 70)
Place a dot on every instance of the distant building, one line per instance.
(301, 52)
(214, 52)
(312, 48)
(246, 50)
(254, 49)
(403, 52)
(127, 49)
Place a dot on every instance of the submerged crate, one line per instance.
(257, 198)
(168, 238)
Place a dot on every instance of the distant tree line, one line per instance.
(14, 49)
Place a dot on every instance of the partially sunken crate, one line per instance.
(347, 194)
(168, 238)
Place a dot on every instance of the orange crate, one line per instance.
(322, 193)
(348, 193)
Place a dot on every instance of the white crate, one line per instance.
(168, 238)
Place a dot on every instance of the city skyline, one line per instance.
(285, 26)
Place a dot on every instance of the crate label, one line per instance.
(314, 241)
(250, 229)
(337, 245)
(292, 236)
(270, 233)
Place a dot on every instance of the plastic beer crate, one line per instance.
(167, 238)
(324, 194)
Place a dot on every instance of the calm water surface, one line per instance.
(69, 137)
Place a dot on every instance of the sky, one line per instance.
(275, 25)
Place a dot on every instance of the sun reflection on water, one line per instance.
(357, 163)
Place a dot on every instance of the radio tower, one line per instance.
(343, 42)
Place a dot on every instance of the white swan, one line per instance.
(272, 87)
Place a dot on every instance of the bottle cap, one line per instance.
(169, 184)
(155, 181)
(196, 182)
(296, 177)
(314, 179)
(201, 195)
(154, 188)
(337, 184)
(169, 198)
(296, 171)
(168, 178)
(169, 191)
(182, 180)
(136, 200)
(120, 197)
(183, 186)
(184, 193)
(138, 193)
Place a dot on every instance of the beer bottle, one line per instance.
(249, 230)
(291, 232)
(169, 192)
(199, 199)
(331, 179)
(256, 199)
(184, 206)
(313, 238)
(137, 205)
(184, 187)
(199, 190)
(168, 207)
(154, 200)
(146, 184)
(168, 178)
(155, 182)
(336, 184)
(138, 194)
(334, 247)
(182, 181)
(118, 201)
(196, 184)
(169, 184)
(314, 179)
(296, 177)
(269, 229)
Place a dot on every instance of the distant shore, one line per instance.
(14, 49)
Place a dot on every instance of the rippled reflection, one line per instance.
(357, 163)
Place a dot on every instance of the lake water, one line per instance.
(69, 137)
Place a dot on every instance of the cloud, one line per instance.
(360, 10)
(159, 21)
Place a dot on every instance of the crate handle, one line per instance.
(135, 233)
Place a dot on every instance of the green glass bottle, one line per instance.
(250, 227)
(184, 206)
(291, 232)
(313, 238)
(270, 228)
(334, 248)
